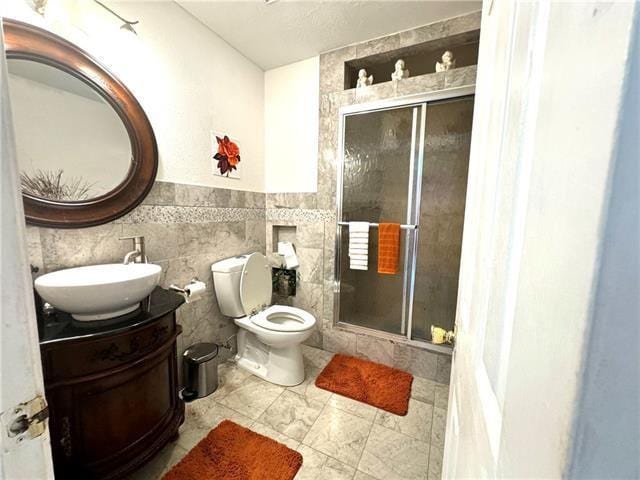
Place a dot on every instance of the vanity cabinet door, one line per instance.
(107, 424)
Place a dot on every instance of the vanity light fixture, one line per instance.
(127, 25)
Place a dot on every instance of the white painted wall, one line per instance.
(187, 79)
(545, 146)
(291, 127)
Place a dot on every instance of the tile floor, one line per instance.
(339, 438)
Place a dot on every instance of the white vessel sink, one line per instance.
(99, 292)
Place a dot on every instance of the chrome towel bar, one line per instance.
(376, 225)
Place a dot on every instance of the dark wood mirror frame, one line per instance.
(27, 42)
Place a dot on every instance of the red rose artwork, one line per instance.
(228, 156)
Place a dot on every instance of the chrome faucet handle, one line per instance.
(138, 245)
(136, 239)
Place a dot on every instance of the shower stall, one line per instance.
(404, 161)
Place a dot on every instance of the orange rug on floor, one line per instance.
(232, 452)
(378, 385)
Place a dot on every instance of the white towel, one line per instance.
(359, 241)
(359, 261)
(359, 245)
(361, 227)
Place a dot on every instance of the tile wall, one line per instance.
(186, 229)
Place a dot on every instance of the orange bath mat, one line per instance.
(232, 452)
(378, 385)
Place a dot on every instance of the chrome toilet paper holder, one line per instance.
(184, 291)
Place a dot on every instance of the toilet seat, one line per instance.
(255, 295)
(281, 318)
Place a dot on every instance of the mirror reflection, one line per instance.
(71, 144)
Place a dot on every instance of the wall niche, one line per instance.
(283, 233)
(420, 59)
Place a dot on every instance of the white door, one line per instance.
(497, 188)
(543, 135)
(20, 367)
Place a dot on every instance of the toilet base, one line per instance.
(282, 366)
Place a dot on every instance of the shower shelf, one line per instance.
(376, 225)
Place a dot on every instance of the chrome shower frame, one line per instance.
(420, 103)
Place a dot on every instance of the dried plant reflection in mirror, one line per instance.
(49, 184)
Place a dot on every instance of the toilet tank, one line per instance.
(226, 283)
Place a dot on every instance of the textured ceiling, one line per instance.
(286, 31)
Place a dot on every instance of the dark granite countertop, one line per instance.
(61, 327)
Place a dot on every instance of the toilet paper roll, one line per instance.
(286, 249)
(291, 261)
(195, 290)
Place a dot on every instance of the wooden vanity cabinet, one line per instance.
(113, 399)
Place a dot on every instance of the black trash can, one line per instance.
(200, 368)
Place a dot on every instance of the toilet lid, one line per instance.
(255, 284)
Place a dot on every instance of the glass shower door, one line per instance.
(408, 164)
(442, 196)
(379, 162)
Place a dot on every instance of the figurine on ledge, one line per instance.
(448, 62)
(400, 72)
(363, 80)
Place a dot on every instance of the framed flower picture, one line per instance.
(225, 155)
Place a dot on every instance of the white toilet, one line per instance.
(270, 336)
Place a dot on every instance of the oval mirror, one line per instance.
(86, 150)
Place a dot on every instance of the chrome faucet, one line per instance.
(138, 255)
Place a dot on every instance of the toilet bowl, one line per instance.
(270, 336)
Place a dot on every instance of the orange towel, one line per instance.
(388, 248)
